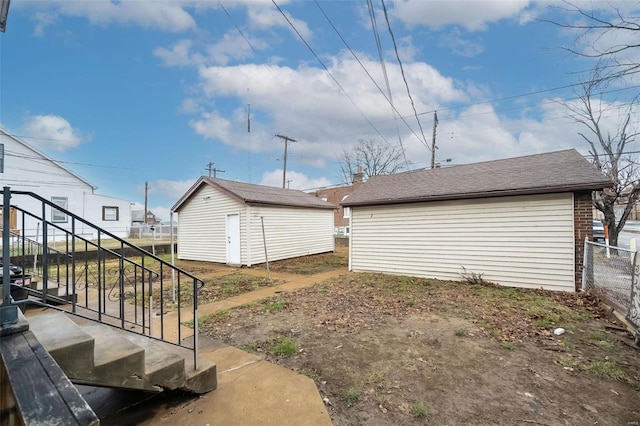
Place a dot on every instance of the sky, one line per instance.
(127, 92)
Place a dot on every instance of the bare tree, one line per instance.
(374, 158)
(610, 151)
(606, 35)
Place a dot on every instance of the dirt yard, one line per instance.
(387, 350)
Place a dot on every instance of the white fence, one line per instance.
(158, 232)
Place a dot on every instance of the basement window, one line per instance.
(110, 213)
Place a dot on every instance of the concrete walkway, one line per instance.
(252, 391)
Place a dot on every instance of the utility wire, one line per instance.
(376, 35)
(237, 28)
(404, 78)
(329, 72)
(389, 99)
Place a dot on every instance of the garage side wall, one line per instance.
(520, 241)
(290, 232)
(583, 228)
(202, 225)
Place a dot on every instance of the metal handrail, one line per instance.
(141, 276)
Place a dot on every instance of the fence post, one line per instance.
(8, 312)
(585, 264)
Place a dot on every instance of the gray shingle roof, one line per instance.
(560, 171)
(258, 194)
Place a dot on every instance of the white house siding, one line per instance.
(290, 232)
(202, 225)
(26, 169)
(521, 241)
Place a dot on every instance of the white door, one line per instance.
(233, 239)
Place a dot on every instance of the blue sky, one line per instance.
(133, 91)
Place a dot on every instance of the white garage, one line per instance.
(234, 222)
(519, 222)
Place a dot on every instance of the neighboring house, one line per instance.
(222, 221)
(519, 222)
(28, 169)
(336, 195)
(137, 218)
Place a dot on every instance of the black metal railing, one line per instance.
(101, 276)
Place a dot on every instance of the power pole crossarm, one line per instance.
(286, 140)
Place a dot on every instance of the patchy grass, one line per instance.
(284, 347)
(351, 396)
(608, 369)
(313, 264)
(460, 333)
(419, 410)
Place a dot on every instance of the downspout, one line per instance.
(248, 236)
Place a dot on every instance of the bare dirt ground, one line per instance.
(386, 350)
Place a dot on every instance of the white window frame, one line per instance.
(56, 215)
(346, 210)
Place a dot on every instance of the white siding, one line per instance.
(28, 170)
(524, 241)
(290, 232)
(202, 225)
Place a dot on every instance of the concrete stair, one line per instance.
(99, 355)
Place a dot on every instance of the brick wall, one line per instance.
(583, 228)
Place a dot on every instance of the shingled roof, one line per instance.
(257, 194)
(561, 171)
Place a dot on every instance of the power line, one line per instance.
(404, 78)
(328, 72)
(237, 28)
(389, 99)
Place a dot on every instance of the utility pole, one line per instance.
(146, 195)
(286, 140)
(288, 182)
(433, 144)
(213, 169)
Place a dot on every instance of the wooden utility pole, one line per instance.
(146, 196)
(286, 140)
(215, 171)
(433, 144)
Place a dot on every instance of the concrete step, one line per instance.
(70, 346)
(117, 361)
(161, 368)
(99, 355)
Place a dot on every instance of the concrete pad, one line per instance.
(252, 391)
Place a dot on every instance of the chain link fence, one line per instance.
(613, 274)
(608, 273)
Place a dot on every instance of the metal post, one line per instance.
(264, 242)
(8, 312)
(173, 260)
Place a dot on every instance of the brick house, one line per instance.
(336, 195)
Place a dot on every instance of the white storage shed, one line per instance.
(230, 222)
(519, 222)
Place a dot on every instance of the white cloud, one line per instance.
(173, 189)
(212, 125)
(179, 55)
(306, 104)
(297, 180)
(51, 132)
(474, 15)
(162, 15)
(264, 17)
(460, 45)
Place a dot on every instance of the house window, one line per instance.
(58, 216)
(110, 213)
